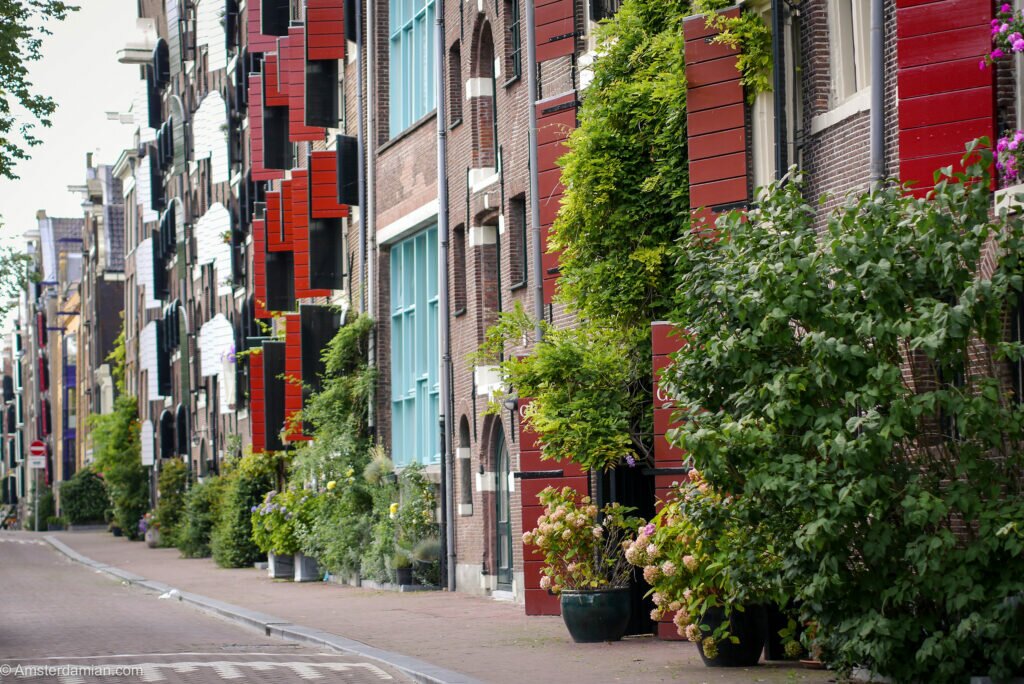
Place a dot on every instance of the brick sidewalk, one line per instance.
(490, 640)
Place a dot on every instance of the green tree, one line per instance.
(22, 28)
(170, 505)
(117, 450)
(17, 269)
(84, 498)
(843, 388)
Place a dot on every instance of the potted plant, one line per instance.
(149, 529)
(273, 531)
(401, 562)
(701, 575)
(306, 510)
(584, 562)
(54, 523)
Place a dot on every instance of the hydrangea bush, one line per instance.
(1008, 158)
(275, 521)
(583, 545)
(1007, 34)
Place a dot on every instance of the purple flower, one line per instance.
(648, 529)
(1003, 28)
(981, 65)
(1005, 8)
(997, 53)
(630, 461)
(253, 509)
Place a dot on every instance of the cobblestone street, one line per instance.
(61, 619)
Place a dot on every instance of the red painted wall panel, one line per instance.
(273, 224)
(555, 28)
(259, 277)
(556, 120)
(300, 235)
(274, 92)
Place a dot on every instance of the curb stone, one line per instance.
(419, 670)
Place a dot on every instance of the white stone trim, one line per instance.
(482, 235)
(486, 481)
(479, 87)
(855, 104)
(483, 178)
(408, 224)
(463, 452)
(486, 379)
(465, 510)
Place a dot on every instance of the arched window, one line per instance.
(182, 430)
(167, 445)
(455, 84)
(480, 94)
(459, 270)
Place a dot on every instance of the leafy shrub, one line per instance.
(275, 522)
(375, 560)
(201, 508)
(83, 498)
(47, 508)
(339, 531)
(170, 504)
(116, 448)
(415, 522)
(827, 386)
(245, 483)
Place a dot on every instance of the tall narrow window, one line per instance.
(411, 28)
(513, 40)
(455, 84)
(850, 24)
(518, 239)
(414, 350)
(481, 101)
(459, 270)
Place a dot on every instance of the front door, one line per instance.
(503, 514)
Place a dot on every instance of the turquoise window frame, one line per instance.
(412, 89)
(415, 360)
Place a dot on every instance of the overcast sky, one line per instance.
(80, 71)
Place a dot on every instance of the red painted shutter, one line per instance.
(556, 28)
(323, 187)
(287, 215)
(325, 29)
(275, 94)
(293, 80)
(259, 271)
(300, 236)
(716, 120)
(945, 99)
(273, 223)
(293, 378)
(259, 171)
(256, 41)
(257, 399)
(556, 119)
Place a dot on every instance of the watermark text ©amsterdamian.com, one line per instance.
(69, 670)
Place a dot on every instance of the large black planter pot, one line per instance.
(749, 626)
(596, 615)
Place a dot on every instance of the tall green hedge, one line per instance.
(116, 448)
(170, 505)
(245, 483)
(202, 509)
(84, 498)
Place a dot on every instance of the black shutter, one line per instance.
(273, 386)
(160, 284)
(280, 281)
(318, 325)
(231, 23)
(161, 64)
(12, 420)
(322, 93)
(167, 445)
(163, 359)
(156, 182)
(275, 16)
(348, 170)
(277, 150)
(351, 8)
(8, 388)
(153, 115)
(326, 254)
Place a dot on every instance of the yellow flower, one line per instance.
(393, 510)
(331, 485)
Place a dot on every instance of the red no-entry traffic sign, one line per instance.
(37, 454)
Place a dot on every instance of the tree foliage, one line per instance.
(170, 506)
(626, 171)
(84, 498)
(844, 388)
(118, 456)
(22, 28)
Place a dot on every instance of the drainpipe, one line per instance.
(531, 88)
(877, 93)
(447, 481)
(370, 221)
(779, 86)
(361, 161)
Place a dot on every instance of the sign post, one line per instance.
(36, 462)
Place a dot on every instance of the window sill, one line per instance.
(455, 124)
(459, 313)
(1011, 199)
(511, 81)
(855, 104)
(402, 135)
(517, 286)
